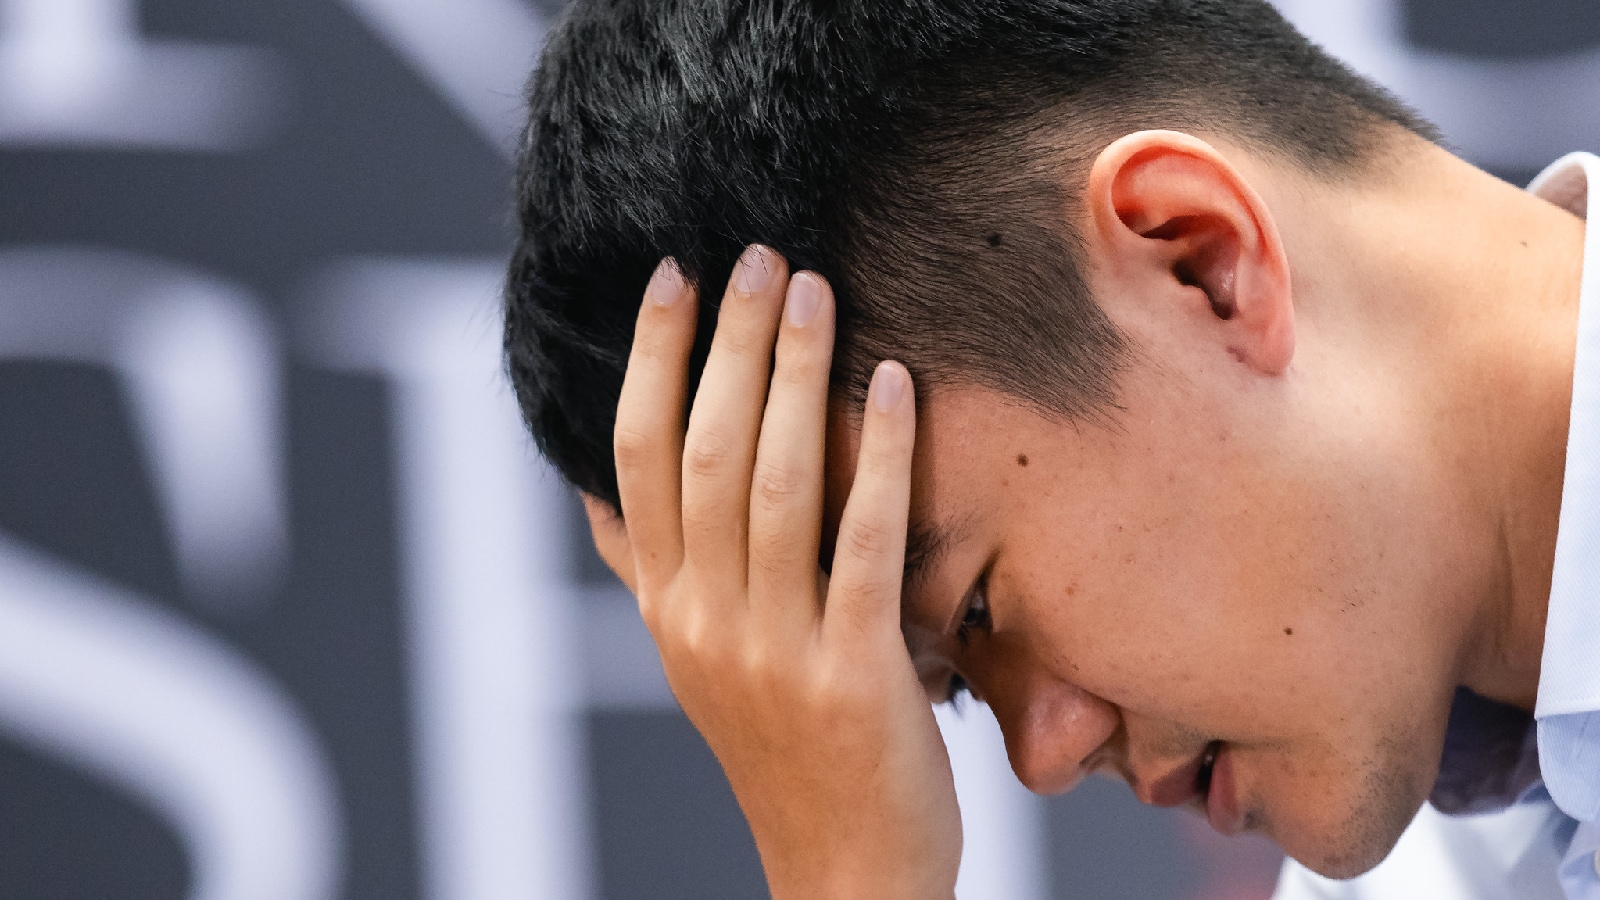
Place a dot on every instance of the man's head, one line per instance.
(920, 154)
(1184, 542)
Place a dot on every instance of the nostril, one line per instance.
(1208, 762)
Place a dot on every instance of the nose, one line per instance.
(1051, 729)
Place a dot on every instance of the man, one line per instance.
(1222, 447)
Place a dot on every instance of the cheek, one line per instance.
(1220, 589)
(1332, 759)
(1101, 631)
(1139, 597)
(1224, 620)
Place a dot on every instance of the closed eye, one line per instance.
(975, 621)
(975, 617)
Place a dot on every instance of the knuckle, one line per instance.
(832, 690)
(857, 618)
(858, 684)
(696, 638)
(762, 667)
(632, 446)
(777, 485)
(868, 539)
(706, 527)
(779, 551)
(772, 556)
(709, 641)
(707, 454)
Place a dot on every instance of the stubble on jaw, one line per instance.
(1391, 791)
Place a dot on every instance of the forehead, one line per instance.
(972, 444)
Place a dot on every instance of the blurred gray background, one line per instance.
(288, 608)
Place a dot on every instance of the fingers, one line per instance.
(869, 558)
(786, 491)
(611, 539)
(648, 440)
(719, 450)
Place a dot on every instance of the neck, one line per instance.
(1490, 278)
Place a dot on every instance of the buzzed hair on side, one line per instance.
(916, 153)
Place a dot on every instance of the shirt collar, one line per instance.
(1569, 673)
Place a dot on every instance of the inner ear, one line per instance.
(1206, 258)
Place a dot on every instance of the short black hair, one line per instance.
(914, 152)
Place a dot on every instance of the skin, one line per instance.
(1330, 497)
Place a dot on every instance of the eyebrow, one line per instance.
(926, 543)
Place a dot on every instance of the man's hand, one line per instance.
(800, 683)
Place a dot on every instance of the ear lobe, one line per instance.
(611, 539)
(1173, 209)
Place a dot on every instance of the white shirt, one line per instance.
(1546, 844)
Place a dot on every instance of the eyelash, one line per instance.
(975, 617)
(958, 693)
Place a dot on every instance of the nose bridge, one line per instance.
(1051, 727)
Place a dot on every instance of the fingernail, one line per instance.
(805, 297)
(666, 285)
(755, 270)
(888, 386)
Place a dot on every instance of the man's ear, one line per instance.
(1177, 224)
(610, 538)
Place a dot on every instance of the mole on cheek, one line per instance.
(1288, 631)
(1022, 460)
